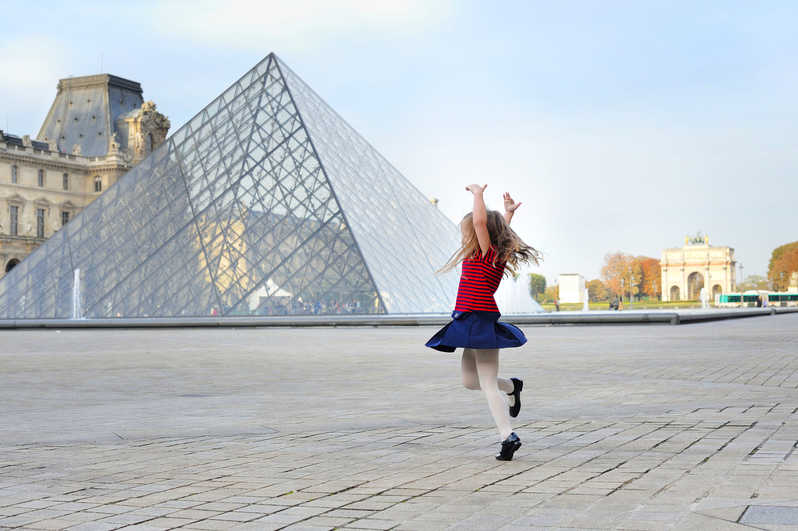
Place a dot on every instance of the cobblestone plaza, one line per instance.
(632, 427)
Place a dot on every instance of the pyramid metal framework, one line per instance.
(265, 203)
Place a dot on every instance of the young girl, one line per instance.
(490, 248)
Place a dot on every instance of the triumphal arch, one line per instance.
(685, 270)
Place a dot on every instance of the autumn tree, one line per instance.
(783, 261)
(537, 286)
(650, 276)
(613, 270)
(621, 274)
(597, 291)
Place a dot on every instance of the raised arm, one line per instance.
(509, 207)
(479, 216)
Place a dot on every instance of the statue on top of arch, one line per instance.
(698, 239)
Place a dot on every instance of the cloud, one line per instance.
(292, 25)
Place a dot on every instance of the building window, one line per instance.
(40, 223)
(14, 177)
(64, 218)
(41, 178)
(14, 228)
(98, 184)
(65, 181)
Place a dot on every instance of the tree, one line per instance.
(621, 274)
(613, 270)
(537, 286)
(650, 277)
(783, 261)
(597, 291)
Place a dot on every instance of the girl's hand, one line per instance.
(476, 189)
(509, 204)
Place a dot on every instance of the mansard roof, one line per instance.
(85, 110)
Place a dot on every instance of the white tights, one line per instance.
(481, 371)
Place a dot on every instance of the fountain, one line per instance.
(76, 295)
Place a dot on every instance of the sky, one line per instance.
(620, 126)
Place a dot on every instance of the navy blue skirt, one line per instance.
(476, 330)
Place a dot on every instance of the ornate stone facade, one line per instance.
(143, 129)
(685, 270)
(97, 129)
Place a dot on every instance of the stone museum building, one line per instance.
(685, 270)
(97, 129)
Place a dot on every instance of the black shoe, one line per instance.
(517, 386)
(509, 446)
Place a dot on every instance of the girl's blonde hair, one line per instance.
(510, 248)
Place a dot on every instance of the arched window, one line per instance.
(41, 178)
(98, 184)
(65, 181)
(14, 174)
(11, 264)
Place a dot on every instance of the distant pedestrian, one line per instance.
(556, 305)
(490, 249)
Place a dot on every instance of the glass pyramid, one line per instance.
(265, 203)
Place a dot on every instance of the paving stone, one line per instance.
(371, 523)
(94, 526)
(197, 514)
(330, 521)
(168, 523)
(236, 516)
(770, 514)
(55, 523)
(210, 525)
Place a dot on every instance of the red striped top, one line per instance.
(478, 282)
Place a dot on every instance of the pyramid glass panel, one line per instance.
(264, 203)
(385, 211)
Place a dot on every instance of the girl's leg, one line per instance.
(487, 361)
(469, 366)
(470, 377)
